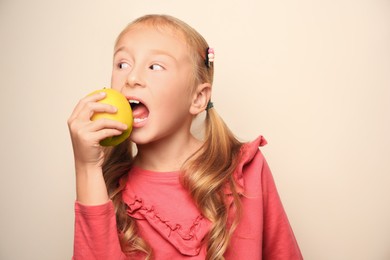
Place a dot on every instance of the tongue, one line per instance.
(140, 111)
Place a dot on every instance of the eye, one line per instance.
(123, 65)
(156, 67)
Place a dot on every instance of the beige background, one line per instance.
(312, 76)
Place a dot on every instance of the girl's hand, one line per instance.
(86, 134)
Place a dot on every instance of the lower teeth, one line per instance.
(137, 120)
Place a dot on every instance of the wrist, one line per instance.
(90, 185)
(87, 168)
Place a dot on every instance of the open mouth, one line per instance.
(140, 111)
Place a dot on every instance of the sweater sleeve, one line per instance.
(95, 235)
(278, 238)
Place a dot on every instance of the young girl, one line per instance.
(176, 197)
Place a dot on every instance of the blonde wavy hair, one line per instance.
(205, 174)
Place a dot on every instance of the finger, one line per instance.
(83, 131)
(103, 134)
(91, 108)
(90, 138)
(94, 132)
(105, 123)
(84, 102)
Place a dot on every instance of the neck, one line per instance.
(168, 154)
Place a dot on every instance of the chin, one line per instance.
(140, 137)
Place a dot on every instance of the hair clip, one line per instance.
(210, 56)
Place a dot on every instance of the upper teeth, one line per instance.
(134, 101)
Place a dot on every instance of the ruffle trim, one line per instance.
(187, 241)
(248, 152)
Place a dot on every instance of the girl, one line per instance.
(177, 197)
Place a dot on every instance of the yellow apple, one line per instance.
(124, 114)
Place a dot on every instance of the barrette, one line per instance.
(210, 56)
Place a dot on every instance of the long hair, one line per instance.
(205, 174)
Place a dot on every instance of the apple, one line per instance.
(124, 114)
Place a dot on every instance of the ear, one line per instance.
(200, 98)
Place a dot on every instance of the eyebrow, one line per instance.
(162, 52)
(123, 48)
(152, 52)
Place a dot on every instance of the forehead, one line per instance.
(140, 38)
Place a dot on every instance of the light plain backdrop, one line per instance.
(313, 77)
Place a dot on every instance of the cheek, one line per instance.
(178, 92)
(172, 99)
(117, 81)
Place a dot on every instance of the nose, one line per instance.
(135, 77)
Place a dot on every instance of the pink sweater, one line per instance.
(170, 222)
